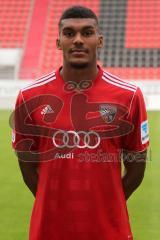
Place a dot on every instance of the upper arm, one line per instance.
(135, 161)
(27, 167)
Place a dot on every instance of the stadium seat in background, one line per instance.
(14, 18)
(13, 24)
(130, 28)
(132, 42)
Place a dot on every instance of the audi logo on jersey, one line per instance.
(80, 139)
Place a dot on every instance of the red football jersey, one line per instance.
(76, 133)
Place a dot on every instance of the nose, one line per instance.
(78, 39)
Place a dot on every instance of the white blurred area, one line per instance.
(10, 88)
(9, 82)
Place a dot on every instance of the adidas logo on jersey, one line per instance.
(48, 109)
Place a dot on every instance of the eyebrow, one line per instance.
(72, 27)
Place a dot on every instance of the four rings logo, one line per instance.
(80, 139)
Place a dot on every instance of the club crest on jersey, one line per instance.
(108, 112)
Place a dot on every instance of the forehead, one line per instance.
(78, 23)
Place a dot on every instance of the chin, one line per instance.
(79, 65)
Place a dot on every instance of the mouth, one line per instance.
(78, 52)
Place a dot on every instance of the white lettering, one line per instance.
(67, 155)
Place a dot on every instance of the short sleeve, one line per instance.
(22, 140)
(138, 138)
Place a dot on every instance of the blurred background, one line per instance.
(28, 32)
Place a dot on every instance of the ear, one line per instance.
(58, 44)
(100, 41)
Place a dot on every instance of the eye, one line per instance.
(69, 33)
(87, 33)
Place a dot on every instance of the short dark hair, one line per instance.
(78, 12)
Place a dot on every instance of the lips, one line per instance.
(78, 51)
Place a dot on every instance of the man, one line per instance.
(72, 128)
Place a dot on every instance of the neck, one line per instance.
(77, 75)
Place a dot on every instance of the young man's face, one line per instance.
(79, 40)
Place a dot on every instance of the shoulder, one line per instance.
(118, 84)
(39, 84)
